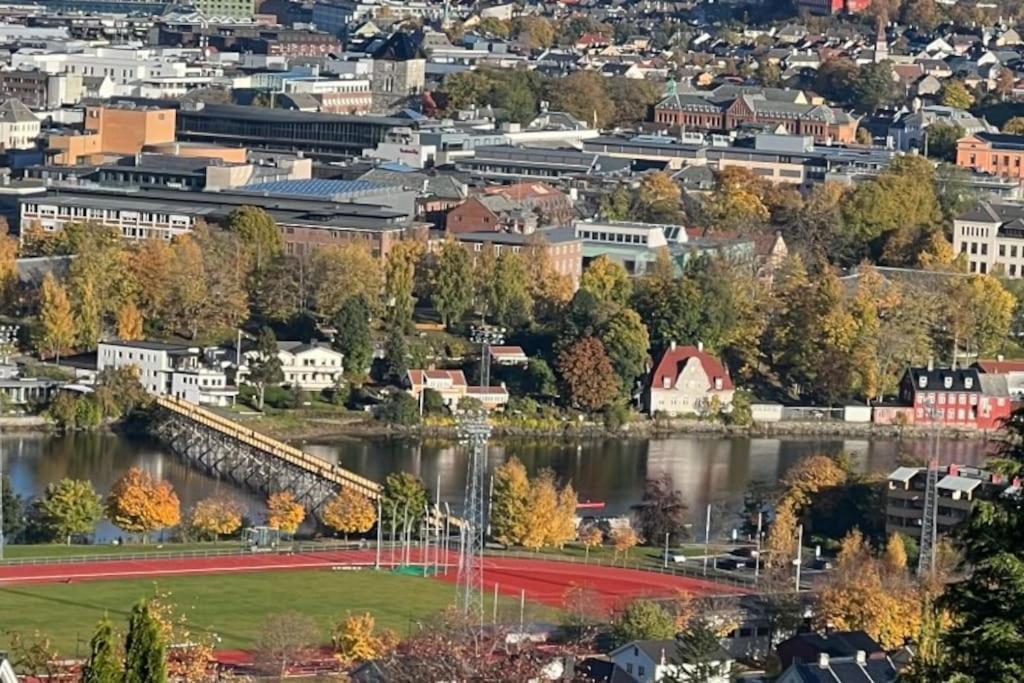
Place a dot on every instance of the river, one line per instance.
(708, 470)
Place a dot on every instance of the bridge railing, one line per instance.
(277, 448)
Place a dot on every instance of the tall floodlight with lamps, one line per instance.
(474, 430)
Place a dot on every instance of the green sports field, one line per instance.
(233, 606)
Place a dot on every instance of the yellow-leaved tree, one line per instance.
(542, 511)
(591, 537)
(510, 503)
(356, 639)
(140, 504)
(217, 516)
(872, 594)
(350, 512)
(56, 319)
(284, 512)
(129, 322)
(624, 538)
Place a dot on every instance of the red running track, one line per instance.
(544, 581)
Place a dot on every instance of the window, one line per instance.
(640, 671)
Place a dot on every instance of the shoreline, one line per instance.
(314, 430)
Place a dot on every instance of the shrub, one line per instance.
(400, 409)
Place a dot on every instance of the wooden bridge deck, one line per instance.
(278, 449)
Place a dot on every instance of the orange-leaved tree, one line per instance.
(284, 512)
(624, 538)
(350, 512)
(217, 516)
(139, 504)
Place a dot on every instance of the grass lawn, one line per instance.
(44, 550)
(233, 606)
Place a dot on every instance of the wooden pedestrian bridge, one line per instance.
(225, 449)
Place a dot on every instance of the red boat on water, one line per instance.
(590, 505)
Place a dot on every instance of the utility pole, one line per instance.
(707, 539)
(757, 557)
(799, 554)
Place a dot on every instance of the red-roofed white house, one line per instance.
(508, 355)
(452, 386)
(687, 380)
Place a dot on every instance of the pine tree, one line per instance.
(145, 658)
(265, 367)
(103, 665)
(353, 335)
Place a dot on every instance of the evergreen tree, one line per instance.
(145, 652)
(396, 352)
(699, 656)
(11, 504)
(451, 282)
(353, 335)
(265, 367)
(984, 641)
(103, 665)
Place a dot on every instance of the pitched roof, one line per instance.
(999, 366)
(672, 362)
(13, 111)
(960, 379)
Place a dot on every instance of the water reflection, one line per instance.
(708, 470)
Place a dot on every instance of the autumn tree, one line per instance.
(8, 270)
(591, 537)
(139, 504)
(258, 231)
(607, 281)
(510, 515)
(56, 320)
(451, 280)
(145, 659)
(588, 374)
(1014, 125)
(350, 512)
(657, 199)
(661, 511)
(400, 281)
(583, 94)
(534, 32)
(550, 513)
(103, 664)
(284, 512)
(624, 539)
(217, 516)
(284, 639)
(955, 94)
(69, 508)
(129, 322)
(979, 319)
(507, 292)
(357, 639)
(344, 271)
(737, 202)
(867, 593)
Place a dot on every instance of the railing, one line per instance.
(276, 448)
(143, 555)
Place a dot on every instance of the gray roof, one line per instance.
(13, 111)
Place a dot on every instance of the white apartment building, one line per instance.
(136, 220)
(169, 370)
(991, 238)
(124, 65)
(19, 127)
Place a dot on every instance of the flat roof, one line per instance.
(955, 483)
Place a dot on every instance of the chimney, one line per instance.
(700, 346)
(954, 470)
(1000, 358)
(931, 364)
(823, 660)
(862, 657)
(672, 346)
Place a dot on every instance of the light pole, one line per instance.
(486, 336)
(474, 430)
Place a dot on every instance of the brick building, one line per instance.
(696, 111)
(552, 207)
(560, 247)
(111, 131)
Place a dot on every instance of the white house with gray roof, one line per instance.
(991, 238)
(651, 661)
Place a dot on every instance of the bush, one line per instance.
(615, 416)
(279, 397)
(400, 409)
(339, 394)
(88, 414)
(433, 402)
(523, 405)
(470, 403)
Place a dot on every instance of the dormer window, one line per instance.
(922, 381)
(968, 382)
(947, 381)
(666, 382)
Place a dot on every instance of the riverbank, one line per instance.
(294, 428)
